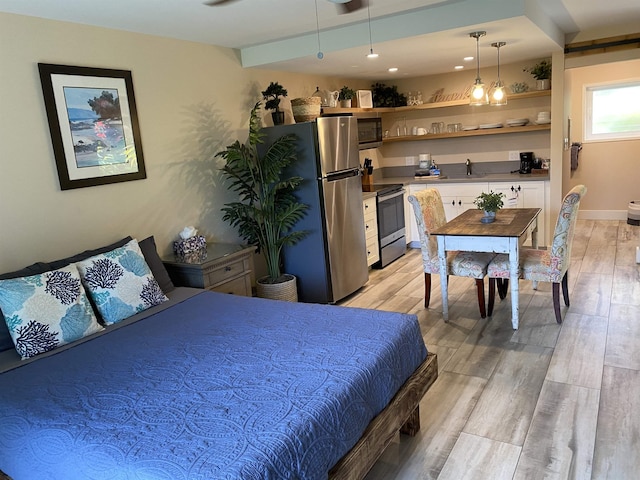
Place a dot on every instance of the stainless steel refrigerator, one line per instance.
(331, 261)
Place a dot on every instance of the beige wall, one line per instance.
(192, 100)
(610, 170)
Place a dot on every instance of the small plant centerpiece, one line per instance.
(268, 210)
(541, 71)
(346, 95)
(489, 202)
(272, 96)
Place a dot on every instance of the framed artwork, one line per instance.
(365, 99)
(94, 125)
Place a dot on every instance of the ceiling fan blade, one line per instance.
(351, 6)
(214, 3)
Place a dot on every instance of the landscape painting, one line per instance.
(95, 120)
(93, 124)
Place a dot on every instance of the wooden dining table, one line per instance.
(507, 234)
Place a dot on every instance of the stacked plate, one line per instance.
(490, 125)
(466, 128)
(517, 122)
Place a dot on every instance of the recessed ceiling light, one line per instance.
(393, 69)
(467, 59)
(458, 67)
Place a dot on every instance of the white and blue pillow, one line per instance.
(120, 283)
(47, 310)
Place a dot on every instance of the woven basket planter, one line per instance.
(287, 291)
(306, 109)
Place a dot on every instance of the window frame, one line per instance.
(587, 117)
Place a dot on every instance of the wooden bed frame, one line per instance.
(401, 415)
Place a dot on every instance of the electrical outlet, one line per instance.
(411, 160)
(514, 155)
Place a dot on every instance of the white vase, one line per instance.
(544, 84)
(489, 217)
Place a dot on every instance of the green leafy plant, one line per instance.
(540, 71)
(384, 96)
(272, 96)
(346, 93)
(267, 210)
(489, 202)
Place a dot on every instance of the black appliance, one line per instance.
(330, 262)
(526, 162)
(391, 229)
(369, 133)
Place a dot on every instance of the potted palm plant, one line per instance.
(272, 96)
(268, 210)
(489, 202)
(541, 71)
(346, 95)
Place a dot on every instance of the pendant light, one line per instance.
(498, 95)
(370, 54)
(320, 55)
(478, 93)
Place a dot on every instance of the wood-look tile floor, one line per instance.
(547, 401)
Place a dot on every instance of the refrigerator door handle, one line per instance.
(334, 176)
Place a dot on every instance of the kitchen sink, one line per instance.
(462, 176)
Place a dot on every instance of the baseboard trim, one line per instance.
(602, 215)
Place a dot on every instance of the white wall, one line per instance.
(192, 100)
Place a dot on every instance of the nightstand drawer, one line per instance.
(239, 286)
(219, 274)
(226, 268)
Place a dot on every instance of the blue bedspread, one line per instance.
(215, 387)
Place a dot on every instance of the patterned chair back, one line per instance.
(429, 213)
(560, 254)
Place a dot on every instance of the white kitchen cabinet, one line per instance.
(526, 195)
(459, 197)
(371, 229)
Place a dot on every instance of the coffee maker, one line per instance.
(526, 162)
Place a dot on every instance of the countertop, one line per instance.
(489, 177)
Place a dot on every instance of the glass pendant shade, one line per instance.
(479, 95)
(498, 95)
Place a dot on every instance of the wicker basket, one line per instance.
(287, 291)
(306, 109)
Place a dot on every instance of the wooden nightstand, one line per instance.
(227, 269)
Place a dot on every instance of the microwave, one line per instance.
(369, 133)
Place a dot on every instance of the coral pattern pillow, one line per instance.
(46, 311)
(120, 283)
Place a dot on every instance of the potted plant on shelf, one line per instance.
(541, 71)
(489, 202)
(345, 96)
(268, 210)
(272, 96)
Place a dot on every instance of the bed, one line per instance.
(212, 386)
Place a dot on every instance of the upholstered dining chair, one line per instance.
(551, 265)
(429, 213)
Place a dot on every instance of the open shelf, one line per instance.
(468, 133)
(429, 106)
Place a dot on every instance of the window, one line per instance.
(612, 112)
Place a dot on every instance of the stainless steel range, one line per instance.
(391, 228)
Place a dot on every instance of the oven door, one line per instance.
(391, 217)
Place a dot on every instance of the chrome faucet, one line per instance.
(468, 164)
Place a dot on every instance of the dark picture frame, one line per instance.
(93, 122)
